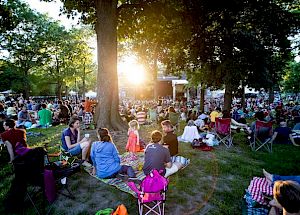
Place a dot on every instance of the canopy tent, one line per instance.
(91, 94)
(7, 92)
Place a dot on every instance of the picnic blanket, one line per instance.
(136, 164)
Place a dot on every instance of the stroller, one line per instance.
(151, 195)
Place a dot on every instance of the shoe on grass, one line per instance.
(86, 164)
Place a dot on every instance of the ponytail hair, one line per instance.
(104, 135)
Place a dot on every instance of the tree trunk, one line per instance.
(202, 94)
(228, 96)
(155, 93)
(83, 82)
(155, 71)
(26, 85)
(59, 89)
(271, 95)
(243, 101)
(107, 113)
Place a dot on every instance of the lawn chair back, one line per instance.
(223, 131)
(223, 126)
(154, 182)
(263, 128)
(262, 136)
(152, 193)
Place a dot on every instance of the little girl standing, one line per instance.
(133, 144)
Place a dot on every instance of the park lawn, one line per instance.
(213, 183)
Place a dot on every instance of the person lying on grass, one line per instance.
(106, 161)
(158, 157)
(272, 178)
(71, 141)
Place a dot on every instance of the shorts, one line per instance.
(88, 118)
(75, 150)
(172, 170)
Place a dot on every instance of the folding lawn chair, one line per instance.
(65, 155)
(223, 131)
(152, 194)
(262, 136)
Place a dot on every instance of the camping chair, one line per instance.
(223, 131)
(262, 136)
(174, 119)
(36, 178)
(65, 155)
(152, 194)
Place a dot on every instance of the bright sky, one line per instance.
(52, 9)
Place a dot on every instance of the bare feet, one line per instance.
(274, 203)
(268, 176)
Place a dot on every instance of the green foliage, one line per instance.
(41, 54)
(292, 78)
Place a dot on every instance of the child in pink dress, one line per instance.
(133, 144)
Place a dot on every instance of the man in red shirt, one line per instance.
(88, 115)
(12, 136)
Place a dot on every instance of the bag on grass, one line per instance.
(121, 210)
(107, 211)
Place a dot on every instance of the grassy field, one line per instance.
(213, 183)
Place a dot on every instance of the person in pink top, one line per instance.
(133, 144)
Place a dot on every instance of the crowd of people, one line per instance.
(102, 155)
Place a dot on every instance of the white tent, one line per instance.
(7, 92)
(91, 94)
(250, 91)
(72, 93)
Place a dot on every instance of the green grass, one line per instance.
(213, 183)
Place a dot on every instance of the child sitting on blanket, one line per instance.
(158, 157)
(106, 161)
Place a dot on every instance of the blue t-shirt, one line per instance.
(68, 133)
(283, 134)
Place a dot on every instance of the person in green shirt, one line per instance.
(45, 116)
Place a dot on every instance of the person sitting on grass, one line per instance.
(283, 134)
(190, 132)
(45, 116)
(24, 119)
(286, 197)
(71, 141)
(158, 157)
(106, 160)
(14, 139)
(170, 139)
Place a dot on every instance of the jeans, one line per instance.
(128, 170)
(285, 178)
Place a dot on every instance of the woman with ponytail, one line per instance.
(105, 157)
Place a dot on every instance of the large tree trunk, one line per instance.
(228, 96)
(59, 89)
(155, 71)
(83, 82)
(243, 101)
(155, 93)
(107, 113)
(202, 94)
(26, 84)
(271, 95)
